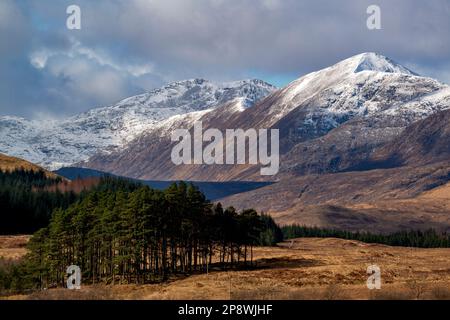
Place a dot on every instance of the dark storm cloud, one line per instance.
(129, 46)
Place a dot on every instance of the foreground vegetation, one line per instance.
(418, 239)
(123, 232)
(305, 268)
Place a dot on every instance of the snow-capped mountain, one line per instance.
(367, 84)
(58, 143)
(328, 120)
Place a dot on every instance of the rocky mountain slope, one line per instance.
(426, 141)
(330, 121)
(57, 143)
(403, 185)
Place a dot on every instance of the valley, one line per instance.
(212, 190)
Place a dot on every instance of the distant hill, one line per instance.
(8, 163)
(212, 190)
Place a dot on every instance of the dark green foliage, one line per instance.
(271, 233)
(120, 231)
(420, 239)
(110, 183)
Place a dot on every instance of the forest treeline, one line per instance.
(413, 238)
(135, 234)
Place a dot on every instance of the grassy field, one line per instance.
(299, 269)
(13, 247)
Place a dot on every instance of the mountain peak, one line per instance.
(371, 61)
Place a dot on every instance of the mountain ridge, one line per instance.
(59, 143)
(329, 121)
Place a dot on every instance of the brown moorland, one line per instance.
(308, 268)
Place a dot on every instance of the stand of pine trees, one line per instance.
(419, 239)
(142, 235)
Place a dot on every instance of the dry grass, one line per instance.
(392, 294)
(13, 247)
(442, 192)
(87, 293)
(440, 292)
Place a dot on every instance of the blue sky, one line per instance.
(126, 47)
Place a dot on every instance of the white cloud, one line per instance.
(40, 57)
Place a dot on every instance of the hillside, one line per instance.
(360, 142)
(424, 142)
(382, 200)
(8, 163)
(403, 184)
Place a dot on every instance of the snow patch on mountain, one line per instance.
(371, 61)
